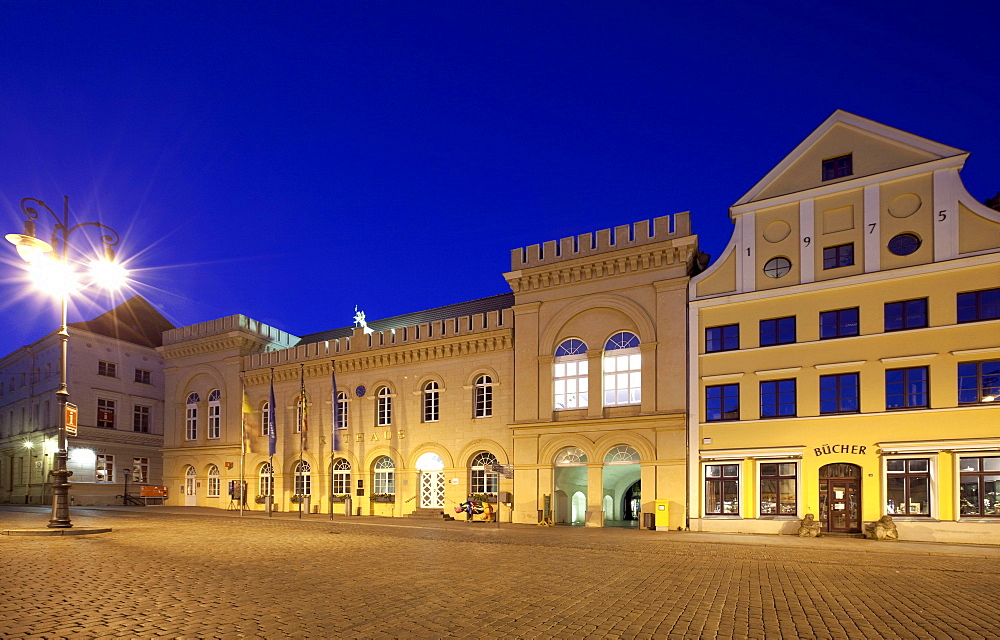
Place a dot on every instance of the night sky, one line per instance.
(289, 161)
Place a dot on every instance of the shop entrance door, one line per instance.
(190, 487)
(840, 498)
(431, 489)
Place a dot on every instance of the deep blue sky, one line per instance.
(290, 160)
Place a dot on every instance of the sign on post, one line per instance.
(505, 470)
(71, 415)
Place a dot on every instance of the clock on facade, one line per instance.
(360, 391)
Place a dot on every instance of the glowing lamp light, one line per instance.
(53, 277)
(28, 246)
(108, 274)
(989, 398)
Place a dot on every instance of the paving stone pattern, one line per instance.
(164, 573)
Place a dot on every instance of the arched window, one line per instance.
(570, 457)
(214, 414)
(483, 397)
(622, 370)
(265, 481)
(342, 410)
(303, 478)
(191, 417)
(479, 480)
(384, 398)
(214, 483)
(265, 418)
(622, 454)
(432, 397)
(341, 474)
(569, 375)
(384, 476)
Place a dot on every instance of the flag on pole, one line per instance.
(246, 410)
(272, 427)
(303, 411)
(336, 407)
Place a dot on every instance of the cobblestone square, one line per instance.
(201, 573)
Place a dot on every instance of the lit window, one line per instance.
(214, 482)
(906, 314)
(778, 489)
(342, 410)
(140, 469)
(569, 377)
(140, 418)
(105, 413)
(384, 399)
(265, 480)
(105, 471)
(722, 489)
(384, 476)
(622, 370)
(839, 167)
(265, 418)
(109, 369)
(214, 414)
(432, 397)
(479, 480)
(980, 486)
(341, 477)
(841, 255)
(908, 487)
(303, 478)
(483, 397)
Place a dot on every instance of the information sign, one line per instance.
(71, 415)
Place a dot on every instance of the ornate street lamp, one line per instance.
(50, 267)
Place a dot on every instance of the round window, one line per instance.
(777, 267)
(904, 244)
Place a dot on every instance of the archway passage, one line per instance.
(840, 498)
(632, 503)
(621, 483)
(570, 490)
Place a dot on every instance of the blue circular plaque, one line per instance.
(360, 391)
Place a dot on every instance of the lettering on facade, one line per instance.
(853, 449)
(379, 436)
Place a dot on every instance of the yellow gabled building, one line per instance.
(845, 348)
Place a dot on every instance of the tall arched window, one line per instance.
(265, 481)
(384, 476)
(214, 483)
(191, 417)
(483, 397)
(384, 399)
(622, 370)
(569, 375)
(303, 478)
(432, 397)
(265, 417)
(342, 410)
(214, 414)
(341, 476)
(479, 480)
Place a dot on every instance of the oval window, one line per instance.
(904, 244)
(777, 267)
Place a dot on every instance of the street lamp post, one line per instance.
(54, 257)
(126, 472)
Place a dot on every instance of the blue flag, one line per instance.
(336, 409)
(272, 425)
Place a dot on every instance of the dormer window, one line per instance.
(838, 167)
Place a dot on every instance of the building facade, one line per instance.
(574, 384)
(116, 381)
(845, 348)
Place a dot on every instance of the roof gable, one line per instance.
(134, 320)
(875, 148)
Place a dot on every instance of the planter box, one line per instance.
(384, 500)
(338, 499)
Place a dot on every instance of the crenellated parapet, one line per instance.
(454, 337)
(224, 328)
(641, 233)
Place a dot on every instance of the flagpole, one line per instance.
(302, 425)
(243, 437)
(272, 439)
(334, 436)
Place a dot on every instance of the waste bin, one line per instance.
(648, 521)
(661, 514)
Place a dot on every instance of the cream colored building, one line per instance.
(845, 348)
(436, 402)
(116, 381)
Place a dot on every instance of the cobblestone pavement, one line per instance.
(167, 572)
